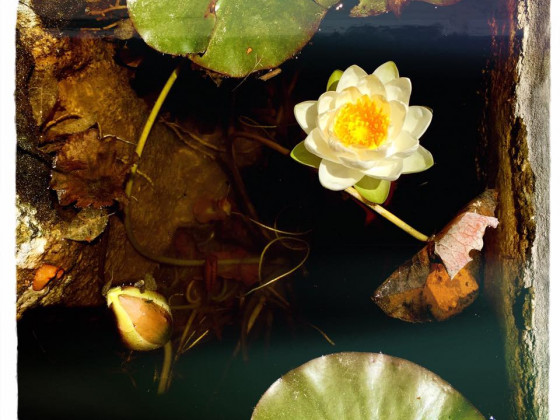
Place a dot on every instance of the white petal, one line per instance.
(417, 120)
(376, 154)
(326, 102)
(417, 162)
(325, 122)
(399, 90)
(359, 164)
(337, 177)
(350, 77)
(371, 85)
(403, 145)
(314, 143)
(387, 72)
(306, 115)
(350, 94)
(398, 115)
(386, 169)
(341, 150)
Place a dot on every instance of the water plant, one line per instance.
(362, 386)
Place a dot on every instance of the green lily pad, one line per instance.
(175, 27)
(374, 190)
(232, 37)
(302, 155)
(362, 386)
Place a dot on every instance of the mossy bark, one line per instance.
(58, 73)
(516, 140)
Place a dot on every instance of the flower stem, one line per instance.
(387, 215)
(352, 191)
(166, 368)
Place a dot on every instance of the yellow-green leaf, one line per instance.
(373, 189)
(302, 155)
(332, 83)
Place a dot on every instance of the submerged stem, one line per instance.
(387, 215)
(150, 122)
(166, 368)
(134, 170)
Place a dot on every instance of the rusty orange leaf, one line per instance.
(425, 288)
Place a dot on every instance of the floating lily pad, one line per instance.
(362, 386)
(232, 37)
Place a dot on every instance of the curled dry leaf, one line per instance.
(430, 286)
(89, 171)
(464, 235)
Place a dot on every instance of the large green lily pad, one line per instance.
(362, 386)
(232, 37)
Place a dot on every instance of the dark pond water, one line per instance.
(70, 360)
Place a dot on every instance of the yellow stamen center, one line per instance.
(364, 123)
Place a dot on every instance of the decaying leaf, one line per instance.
(89, 172)
(87, 225)
(377, 7)
(423, 289)
(464, 235)
(43, 94)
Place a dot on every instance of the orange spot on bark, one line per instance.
(45, 274)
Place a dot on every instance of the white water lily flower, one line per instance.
(364, 132)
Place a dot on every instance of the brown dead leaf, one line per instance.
(445, 296)
(422, 289)
(89, 172)
(43, 94)
(87, 225)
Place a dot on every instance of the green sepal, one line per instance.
(333, 79)
(302, 155)
(373, 189)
